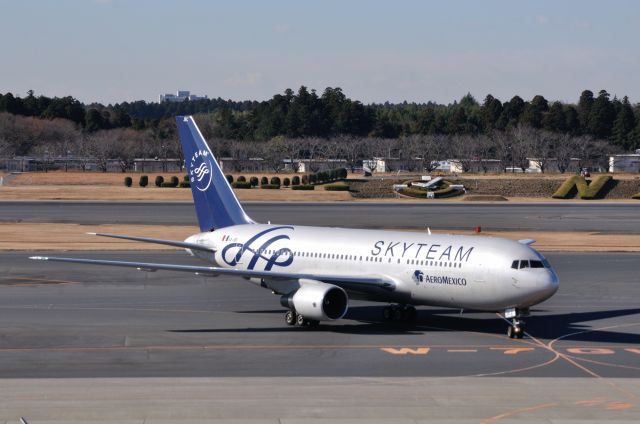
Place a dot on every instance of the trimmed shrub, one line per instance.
(286, 182)
(241, 184)
(159, 180)
(342, 173)
(185, 184)
(186, 178)
(295, 180)
(264, 181)
(167, 184)
(577, 184)
(305, 179)
(242, 178)
(313, 178)
(413, 192)
(229, 178)
(144, 181)
(636, 196)
(303, 187)
(128, 181)
(275, 181)
(175, 181)
(270, 186)
(254, 181)
(336, 187)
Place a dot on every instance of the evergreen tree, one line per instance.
(601, 116)
(624, 123)
(584, 109)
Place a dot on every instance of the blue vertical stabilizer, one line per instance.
(216, 204)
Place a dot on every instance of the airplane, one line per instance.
(316, 271)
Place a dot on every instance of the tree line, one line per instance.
(307, 114)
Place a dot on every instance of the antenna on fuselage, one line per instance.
(429, 230)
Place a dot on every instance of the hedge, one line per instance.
(303, 187)
(275, 181)
(336, 187)
(270, 186)
(254, 181)
(159, 180)
(168, 184)
(175, 181)
(295, 180)
(241, 184)
(144, 181)
(128, 181)
(242, 178)
(636, 196)
(286, 182)
(585, 191)
(185, 184)
(264, 180)
(186, 178)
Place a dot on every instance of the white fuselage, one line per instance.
(469, 272)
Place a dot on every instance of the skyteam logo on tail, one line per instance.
(200, 168)
(258, 250)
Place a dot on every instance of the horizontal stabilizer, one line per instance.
(173, 243)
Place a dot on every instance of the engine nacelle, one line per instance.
(317, 300)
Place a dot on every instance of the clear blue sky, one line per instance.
(116, 50)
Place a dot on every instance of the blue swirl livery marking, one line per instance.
(256, 247)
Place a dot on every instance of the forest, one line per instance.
(303, 124)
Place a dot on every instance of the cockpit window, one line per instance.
(536, 264)
(530, 263)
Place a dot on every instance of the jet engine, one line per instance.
(317, 301)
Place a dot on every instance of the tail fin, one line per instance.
(216, 204)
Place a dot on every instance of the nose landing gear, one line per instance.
(515, 330)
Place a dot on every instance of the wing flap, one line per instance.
(377, 281)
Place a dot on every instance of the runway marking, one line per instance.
(406, 350)
(31, 281)
(590, 351)
(461, 350)
(518, 411)
(633, 350)
(513, 350)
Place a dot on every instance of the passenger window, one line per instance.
(514, 264)
(524, 264)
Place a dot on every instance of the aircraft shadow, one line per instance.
(547, 327)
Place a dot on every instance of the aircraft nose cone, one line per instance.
(548, 283)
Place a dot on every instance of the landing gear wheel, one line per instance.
(290, 317)
(410, 314)
(515, 330)
(300, 320)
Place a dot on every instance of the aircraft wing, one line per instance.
(363, 282)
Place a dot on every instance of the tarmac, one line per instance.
(104, 344)
(612, 218)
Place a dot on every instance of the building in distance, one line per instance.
(180, 96)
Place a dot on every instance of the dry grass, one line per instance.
(160, 194)
(35, 237)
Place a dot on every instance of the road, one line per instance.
(613, 218)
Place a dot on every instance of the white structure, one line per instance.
(180, 96)
(628, 162)
(551, 165)
(475, 165)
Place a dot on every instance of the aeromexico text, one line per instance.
(421, 251)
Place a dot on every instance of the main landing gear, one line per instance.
(406, 313)
(292, 318)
